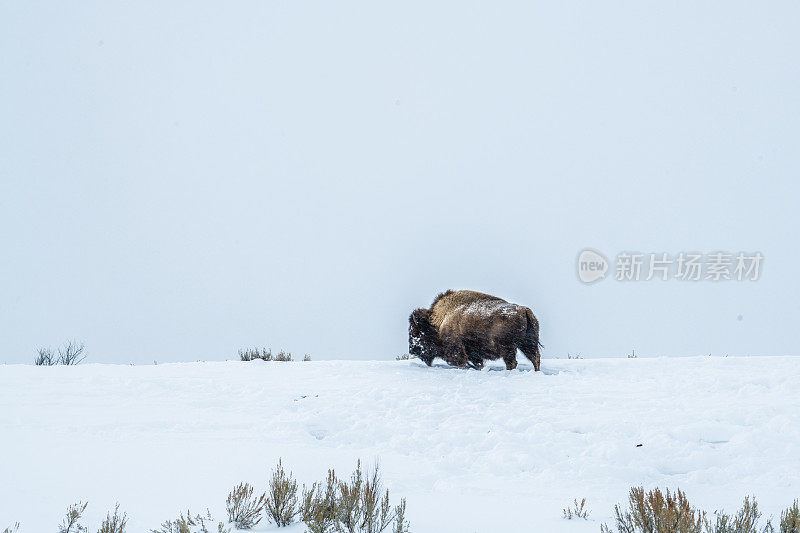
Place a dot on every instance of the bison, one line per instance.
(466, 327)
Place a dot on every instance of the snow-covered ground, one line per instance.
(472, 451)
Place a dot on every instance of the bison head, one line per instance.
(423, 339)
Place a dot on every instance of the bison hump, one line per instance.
(491, 309)
(450, 301)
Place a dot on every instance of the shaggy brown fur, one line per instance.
(466, 327)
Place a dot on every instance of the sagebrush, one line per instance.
(359, 505)
(746, 520)
(318, 505)
(191, 524)
(114, 523)
(790, 519)
(401, 525)
(244, 511)
(578, 510)
(281, 501)
(264, 354)
(251, 354)
(71, 522)
(657, 512)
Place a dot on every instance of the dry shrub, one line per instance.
(191, 524)
(283, 356)
(577, 510)
(251, 354)
(363, 507)
(318, 507)
(244, 510)
(281, 502)
(12, 529)
(746, 520)
(45, 358)
(657, 512)
(114, 523)
(790, 519)
(401, 525)
(71, 523)
(70, 354)
(358, 506)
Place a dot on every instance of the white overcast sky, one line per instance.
(182, 179)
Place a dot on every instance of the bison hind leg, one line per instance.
(510, 358)
(511, 362)
(531, 351)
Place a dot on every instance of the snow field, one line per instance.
(472, 451)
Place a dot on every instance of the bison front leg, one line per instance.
(475, 361)
(456, 354)
(473, 355)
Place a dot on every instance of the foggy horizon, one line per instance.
(175, 188)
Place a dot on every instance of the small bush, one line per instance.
(114, 523)
(244, 510)
(358, 506)
(251, 354)
(405, 357)
(281, 502)
(318, 506)
(71, 523)
(576, 356)
(45, 358)
(790, 519)
(656, 512)
(283, 356)
(578, 510)
(401, 525)
(70, 354)
(306, 357)
(190, 524)
(362, 507)
(744, 521)
(12, 529)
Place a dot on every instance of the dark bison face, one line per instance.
(423, 339)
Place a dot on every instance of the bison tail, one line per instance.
(533, 330)
(530, 344)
